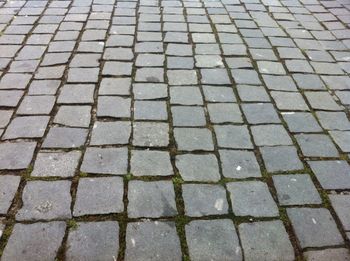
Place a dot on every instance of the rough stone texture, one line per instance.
(336, 254)
(150, 163)
(16, 155)
(8, 188)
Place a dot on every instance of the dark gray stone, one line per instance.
(231, 136)
(150, 163)
(191, 139)
(281, 158)
(62, 137)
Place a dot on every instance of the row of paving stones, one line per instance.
(134, 141)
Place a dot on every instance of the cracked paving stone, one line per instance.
(235, 137)
(93, 241)
(109, 133)
(316, 145)
(213, 240)
(266, 240)
(151, 199)
(73, 116)
(105, 161)
(150, 134)
(152, 240)
(45, 200)
(45, 245)
(194, 167)
(281, 158)
(17, 155)
(248, 197)
(56, 164)
(8, 188)
(297, 189)
(314, 227)
(150, 163)
(27, 127)
(239, 164)
(62, 137)
(191, 139)
(204, 199)
(96, 196)
(341, 205)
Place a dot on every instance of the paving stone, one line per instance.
(316, 145)
(150, 75)
(204, 199)
(151, 199)
(76, 93)
(56, 164)
(83, 75)
(309, 81)
(152, 240)
(342, 139)
(218, 94)
(43, 87)
(27, 127)
(239, 164)
(8, 188)
(150, 91)
(105, 161)
(185, 96)
(188, 116)
(115, 86)
(336, 254)
(280, 83)
(36, 105)
(149, 60)
(281, 158)
(322, 101)
(341, 206)
(14, 81)
(150, 134)
(248, 197)
(117, 69)
(267, 240)
(62, 137)
(5, 117)
(331, 174)
(85, 60)
(292, 101)
(271, 67)
(314, 227)
(301, 122)
(194, 167)
(224, 113)
(150, 110)
(150, 163)
(270, 135)
(119, 54)
(52, 72)
(215, 77)
(213, 239)
(333, 120)
(17, 155)
(191, 139)
(45, 200)
(55, 59)
(96, 196)
(73, 116)
(44, 245)
(113, 106)
(109, 133)
(296, 189)
(242, 76)
(230, 136)
(180, 62)
(257, 113)
(182, 77)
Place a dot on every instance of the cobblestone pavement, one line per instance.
(175, 129)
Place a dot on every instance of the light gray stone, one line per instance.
(150, 163)
(8, 188)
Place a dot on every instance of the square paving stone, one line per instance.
(151, 199)
(150, 163)
(150, 134)
(96, 196)
(292, 101)
(309, 81)
(81, 75)
(239, 164)
(193, 167)
(150, 91)
(342, 139)
(316, 145)
(93, 241)
(149, 60)
(314, 227)
(10, 98)
(36, 105)
(115, 86)
(336, 254)
(191, 139)
(230, 136)
(179, 62)
(301, 122)
(110, 133)
(150, 110)
(218, 94)
(105, 161)
(270, 135)
(76, 93)
(269, 67)
(208, 61)
(43, 87)
(74, 116)
(322, 101)
(8, 188)
(333, 120)
(224, 113)
(281, 158)
(204, 199)
(150, 75)
(267, 240)
(113, 106)
(117, 69)
(179, 49)
(62, 137)
(341, 205)
(257, 113)
(188, 116)
(27, 127)
(243, 76)
(252, 198)
(186, 96)
(152, 240)
(53, 72)
(296, 189)
(213, 240)
(215, 77)
(46, 200)
(182, 77)
(15, 81)
(17, 155)
(5, 117)
(23, 245)
(56, 164)
(281, 83)
(332, 174)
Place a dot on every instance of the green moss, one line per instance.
(83, 174)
